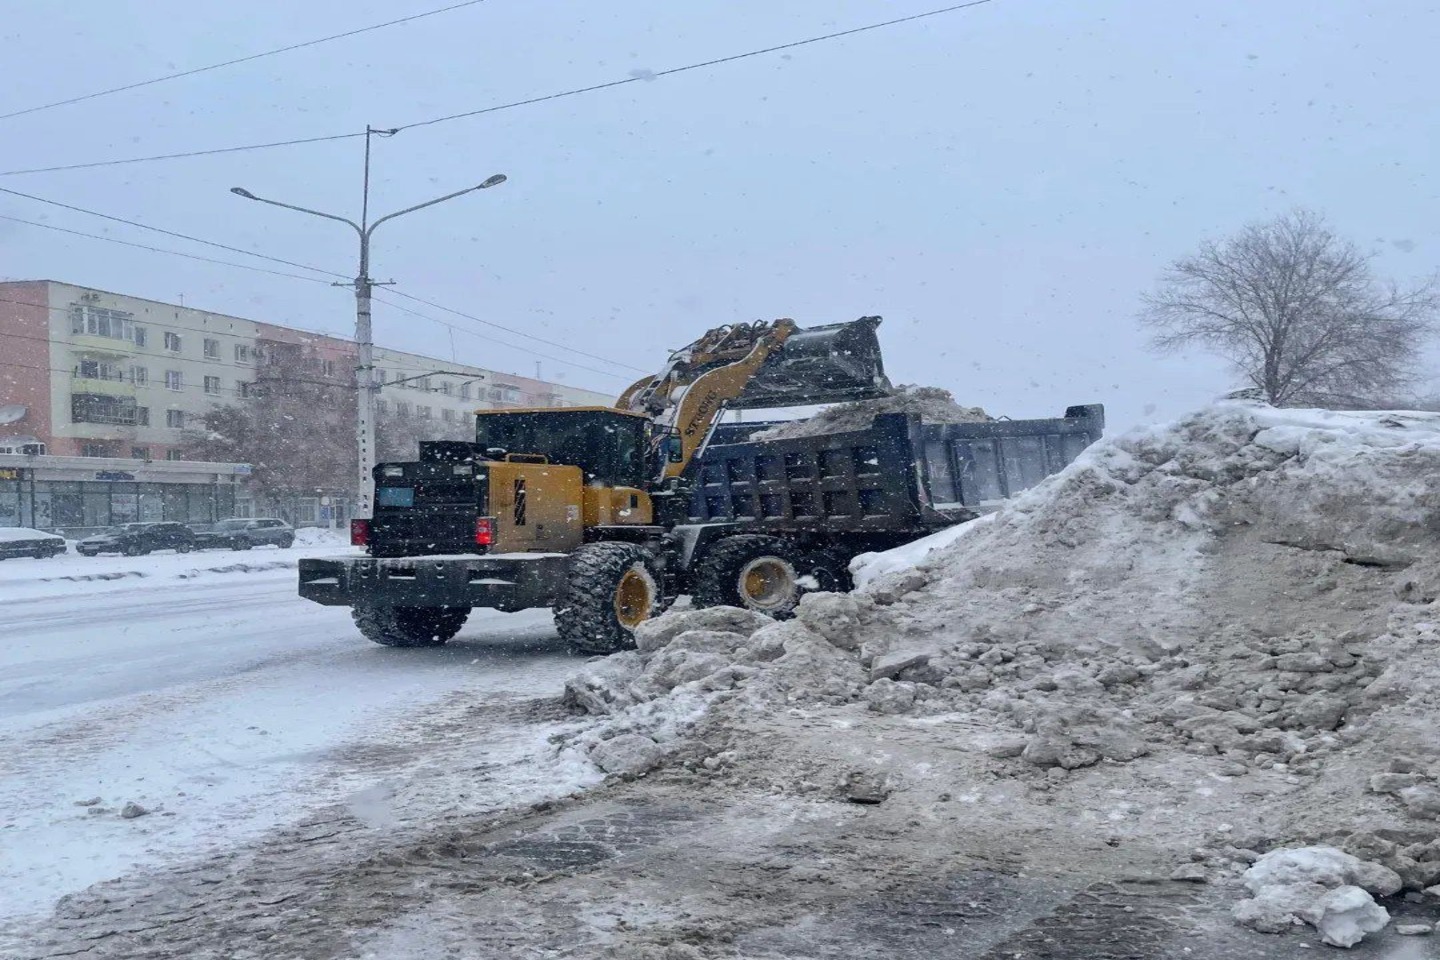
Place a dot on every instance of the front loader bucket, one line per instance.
(831, 364)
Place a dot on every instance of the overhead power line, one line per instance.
(278, 273)
(173, 253)
(655, 74)
(170, 233)
(525, 350)
(238, 60)
(637, 78)
(527, 336)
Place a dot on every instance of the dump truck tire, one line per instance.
(609, 591)
(756, 572)
(409, 626)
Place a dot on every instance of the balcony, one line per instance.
(91, 345)
(107, 387)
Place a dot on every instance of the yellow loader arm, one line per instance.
(749, 366)
(691, 392)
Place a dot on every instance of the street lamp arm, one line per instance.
(241, 192)
(491, 182)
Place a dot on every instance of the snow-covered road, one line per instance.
(202, 688)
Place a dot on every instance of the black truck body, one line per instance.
(844, 493)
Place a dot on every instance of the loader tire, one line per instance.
(759, 573)
(609, 591)
(409, 626)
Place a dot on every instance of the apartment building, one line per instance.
(89, 373)
(98, 388)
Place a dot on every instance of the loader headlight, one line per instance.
(463, 470)
(393, 472)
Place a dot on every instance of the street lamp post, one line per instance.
(363, 284)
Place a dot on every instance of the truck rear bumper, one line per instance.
(503, 582)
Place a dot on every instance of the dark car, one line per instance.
(134, 539)
(24, 542)
(243, 533)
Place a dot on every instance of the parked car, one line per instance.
(134, 539)
(241, 533)
(24, 542)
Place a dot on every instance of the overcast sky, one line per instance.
(999, 183)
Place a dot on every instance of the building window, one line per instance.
(100, 408)
(100, 322)
(175, 418)
(423, 412)
(447, 388)
(243, 389)
(212, 385)
(172, 342)
(93, 450)
(447, 415)
(174, 455)
(173, 380)
(464, 391)
(382, 376)
(242, 353)
(402, 408)
(212, 349)
(327, 367)
(139, 453)
(380, 408)
(140, 337)
(424, 383)
(99, 370)
(139, 376)
(142, 416)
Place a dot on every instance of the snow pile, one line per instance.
(321, 537)
(932, 404)
(1248, 592)
(1324, 887)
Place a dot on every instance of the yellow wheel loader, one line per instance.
(606, 514)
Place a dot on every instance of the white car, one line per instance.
(24, 542)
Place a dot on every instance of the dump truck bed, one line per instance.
(899, 475)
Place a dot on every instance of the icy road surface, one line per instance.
(202, 688)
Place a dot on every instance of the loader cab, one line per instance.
(608, 445)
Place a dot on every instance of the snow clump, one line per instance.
(932, 404)
(1324, 887)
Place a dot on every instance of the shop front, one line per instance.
(77, 496)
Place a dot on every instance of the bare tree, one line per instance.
(1298, 312)
(296, 428)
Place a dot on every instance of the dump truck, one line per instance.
(608, 514)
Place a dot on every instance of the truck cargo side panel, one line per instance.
(863, 481)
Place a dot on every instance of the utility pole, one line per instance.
(364, 285)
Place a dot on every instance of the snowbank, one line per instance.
(1247, 592)
(321, 537)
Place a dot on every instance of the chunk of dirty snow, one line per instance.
(1189, 872)
(1317, 885)
(1345, 915)
(604, 685)
(1414, 929)
(651, 635)
(131, 810)
(629, 754)
(1326, 866)
(866, 787)
(890, 665)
